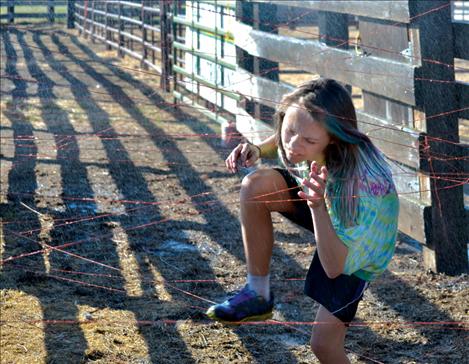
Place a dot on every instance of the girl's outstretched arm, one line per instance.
(268, 147)
(246, 154)
(332, 251)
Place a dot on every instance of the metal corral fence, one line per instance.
(224, 57)
(49, 10)
(139, 29)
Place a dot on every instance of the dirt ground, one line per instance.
(119, 228)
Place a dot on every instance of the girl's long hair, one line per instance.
(351, 157)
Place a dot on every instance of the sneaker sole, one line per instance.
(263, 317)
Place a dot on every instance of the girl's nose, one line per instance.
(295, 143)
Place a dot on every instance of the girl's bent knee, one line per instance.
(322, 348)
(328, 351)
(317, 347)
(256, 182)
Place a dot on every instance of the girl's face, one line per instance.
(303, 138)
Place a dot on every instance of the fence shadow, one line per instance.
(382, 292)
(189, 177)
(77, 188)
(141, 226)
(29, 274)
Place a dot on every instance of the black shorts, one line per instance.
(341, 295)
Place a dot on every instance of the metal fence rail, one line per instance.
(136, 29)
(44, 9)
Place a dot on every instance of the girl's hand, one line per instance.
(244, 155)
(316, 184)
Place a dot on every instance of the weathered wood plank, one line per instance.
(413, 219)
(253, 130)
(392, 111)
(396, 10)
(399, 144)
(462, 90)
(379, 38)
(411, 183)
(265, 19)
(259, 89)
(384, 39)
(368, 73)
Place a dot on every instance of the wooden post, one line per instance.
(265, 19)
(11, 11)
(333, 31)
(71, 14)
(51, 11)
(245, 14)
(390, 40)
(446, 245)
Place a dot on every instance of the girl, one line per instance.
(334, 183)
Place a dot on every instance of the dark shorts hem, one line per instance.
(302, 214)
(340, 296)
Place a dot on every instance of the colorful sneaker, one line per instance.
(244, 306)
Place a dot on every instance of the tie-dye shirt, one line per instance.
(371, 241)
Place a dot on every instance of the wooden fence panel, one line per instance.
(403, 65)
(395, 10)
(345, 66)
(400, 108)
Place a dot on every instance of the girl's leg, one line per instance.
(327, 340)
(257, 199)
(262, 192)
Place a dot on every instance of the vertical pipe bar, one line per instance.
(120, 29)
(143, 18)
(11, 11)
(107, 17)
(51, 11)
(71, 14)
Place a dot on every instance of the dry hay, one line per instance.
(148, 316)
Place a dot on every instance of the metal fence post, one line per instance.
(71, 14)
(165, 31)
(120, 29)
(51, 11)
(11, 11)
(143, 18)
(93, 21)
(107, 33)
